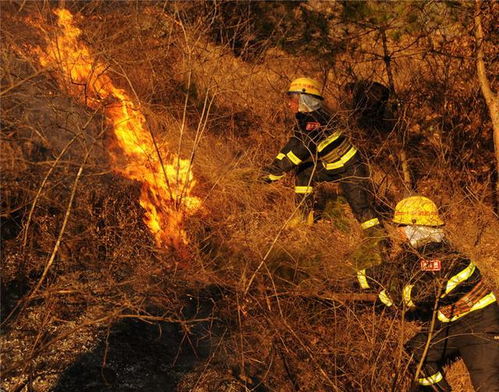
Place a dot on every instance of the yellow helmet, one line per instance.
(417, 210)
(306, 86)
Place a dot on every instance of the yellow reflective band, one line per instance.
(341, 162)
(293, 158)
(406, 295)
(383, 296)
(443, 318)
(280, 156)
(273, 177)
(327, 141)
(485, 301)
(369, 223)
(362, 278)
(432, 380)
(304, 189)
(459, 278)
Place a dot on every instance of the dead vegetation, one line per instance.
(90, 303)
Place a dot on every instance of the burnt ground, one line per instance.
(134, 354)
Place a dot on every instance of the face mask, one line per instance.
(420, 235)
(308, 103)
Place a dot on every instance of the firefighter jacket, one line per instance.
(316, 137)
(431, 278)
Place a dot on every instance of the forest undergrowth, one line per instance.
(90, 302)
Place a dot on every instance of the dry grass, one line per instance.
(267, 323)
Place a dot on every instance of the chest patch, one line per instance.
(431, 265)
(312, 126)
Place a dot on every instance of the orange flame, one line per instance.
(166, 188)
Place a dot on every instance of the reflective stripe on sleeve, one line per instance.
(485, 301)
(273, 177)
(459, 278)
(304, 189)
(383, 296)
(327, 141)
(406, 295)
(280, 156)
(341, 162)
(369, 223)
(432, 380)
(362, 278)
(293, 158)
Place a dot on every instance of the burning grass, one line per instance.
(246, 304)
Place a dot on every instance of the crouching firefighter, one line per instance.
(319, 151)
(435, 284)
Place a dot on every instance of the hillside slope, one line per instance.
(232, 299)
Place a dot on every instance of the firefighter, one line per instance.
(440, 287)
(319, 151)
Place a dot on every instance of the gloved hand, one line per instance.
(265, 179)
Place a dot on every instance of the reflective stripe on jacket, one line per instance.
(317, 137)
(433, 273)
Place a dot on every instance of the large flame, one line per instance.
(166, 188)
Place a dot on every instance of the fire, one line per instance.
(166, 187)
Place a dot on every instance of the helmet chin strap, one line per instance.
(420, 235)
(308, 103)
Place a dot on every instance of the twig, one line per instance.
(277, 236)
(15, 85)
(54, 164)
(429, 338)
(153, 138)
(63, 228)
(24, 303)
(40, 188)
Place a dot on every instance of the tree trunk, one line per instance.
(402, 154)
(491, 98)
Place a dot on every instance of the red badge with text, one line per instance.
(313, 125)
(431, 265)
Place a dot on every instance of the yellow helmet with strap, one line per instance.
(306, 86)
(417, 210)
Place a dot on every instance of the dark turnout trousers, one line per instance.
(474, 338)
(354, 183)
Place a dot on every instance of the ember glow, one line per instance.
(166, 188)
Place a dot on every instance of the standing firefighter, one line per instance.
(319, 151)
(442, 288)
